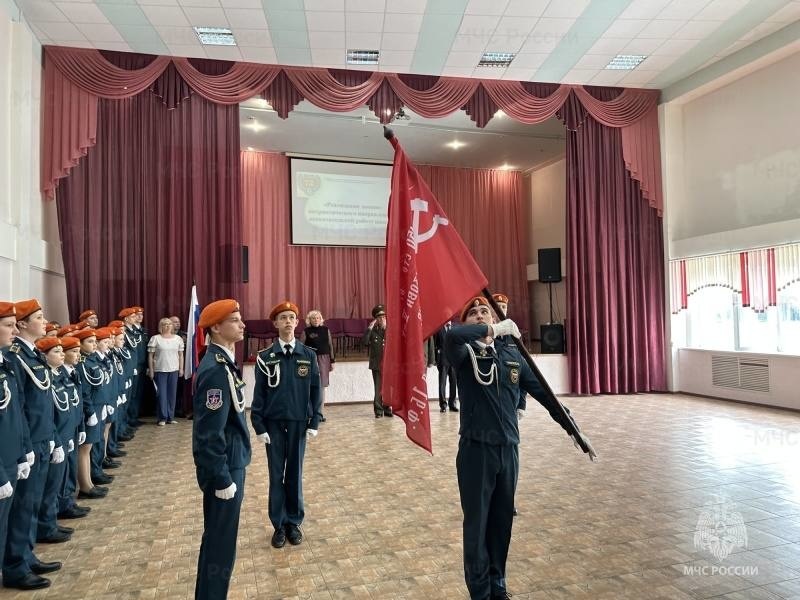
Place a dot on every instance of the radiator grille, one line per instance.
(744, 373)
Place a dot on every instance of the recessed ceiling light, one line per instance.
(625, 61)
(363, 57)
(215, 36)
(496, 59)
(506, 167)
(250, 148)
(456, 144)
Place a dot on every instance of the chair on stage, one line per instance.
(335, 326)
(263, 332)
(353, 332)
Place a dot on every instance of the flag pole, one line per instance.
(552, 401)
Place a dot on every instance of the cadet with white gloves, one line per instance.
(286, 411)
(221, 447)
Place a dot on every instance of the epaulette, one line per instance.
(220, 358)
(15, 348)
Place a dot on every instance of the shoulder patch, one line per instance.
(14, 348)
(214, 399)
(220, 358)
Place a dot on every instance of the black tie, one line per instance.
(287, 350)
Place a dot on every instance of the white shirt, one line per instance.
(228, 352)
(283, 345)
(165, 353)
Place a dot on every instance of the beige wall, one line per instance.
(546, 226)
(30, 253)
(733, 164)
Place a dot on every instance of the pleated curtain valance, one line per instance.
(75, 78)
(758, 275)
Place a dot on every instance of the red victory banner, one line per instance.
(430, 274)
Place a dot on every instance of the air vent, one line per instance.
(744, 373)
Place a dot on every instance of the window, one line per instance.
(709, 320)
(789, 319)
(758, 331)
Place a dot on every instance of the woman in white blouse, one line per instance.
(165, 360)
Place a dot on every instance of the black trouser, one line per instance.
(377, 401)
(487, 480)
(5, 510)
(285, 454)
(22, 521)
(218, 548)
(447, 374)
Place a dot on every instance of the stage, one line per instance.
(351, 380)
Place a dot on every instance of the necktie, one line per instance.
(287, 350)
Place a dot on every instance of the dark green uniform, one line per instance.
(488, 458)
(221, 448)
(375, 340)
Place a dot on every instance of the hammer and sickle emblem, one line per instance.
(417, 206)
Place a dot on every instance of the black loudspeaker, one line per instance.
(552, 338)
(245, 264)
(549, 265)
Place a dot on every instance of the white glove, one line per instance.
(52, 446)
(226, 494)
(23, 470)
(71, 446)
(506, 327)
(124, 398)
(58, 456)
(92, 420)
(109, 410)
(31, 458)
(263, 438)
(311, 433)
(119, 400)
(520, 414)
(6, 491)
(103, 413)
(136, 371)
(81, 438)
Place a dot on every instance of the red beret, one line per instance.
(50, 327)
(68, 343)
(137, 309)
(86, 314)
(116, 323)
(284, 306)
(26, 308)
(82, 334)
(46, 344)
(103, 333)
(117, 330)
(500, 298)
(476, 301)
(66, 329)
(7, 309)
(126, 312)
(217, 312)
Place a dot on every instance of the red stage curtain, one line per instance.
(154, 205)
(615, 257)
(69, 70)
(485, 206)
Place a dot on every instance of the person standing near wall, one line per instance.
(375, 340)
(165, 366)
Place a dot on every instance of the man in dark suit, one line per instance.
(375, 340)
(446, 371)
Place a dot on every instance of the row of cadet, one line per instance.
(70, 401)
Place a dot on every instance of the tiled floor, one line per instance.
(383, 518)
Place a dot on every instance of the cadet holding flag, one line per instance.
(221, 447)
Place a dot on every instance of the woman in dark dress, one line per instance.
(318, 337)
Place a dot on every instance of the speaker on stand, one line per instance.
(551, 334)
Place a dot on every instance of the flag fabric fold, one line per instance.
(194, 337)
(430, 274)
